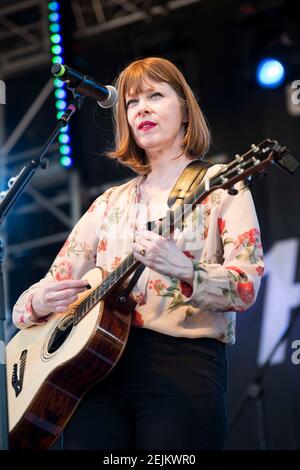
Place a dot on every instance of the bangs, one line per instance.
(137, 76)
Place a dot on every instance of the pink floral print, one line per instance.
(62, 271)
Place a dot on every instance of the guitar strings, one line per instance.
(107, 283)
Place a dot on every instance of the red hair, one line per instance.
(196, 139)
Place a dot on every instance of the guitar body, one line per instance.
(51, 366)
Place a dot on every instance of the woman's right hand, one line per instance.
(56, 296)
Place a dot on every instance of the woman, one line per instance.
(168, 389)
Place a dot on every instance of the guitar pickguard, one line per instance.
(18, 373)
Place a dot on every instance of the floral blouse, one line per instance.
(221, 237)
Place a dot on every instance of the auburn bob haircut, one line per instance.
(133, 78)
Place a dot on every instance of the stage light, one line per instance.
(53, 6)
(61, 104)
(58, 83)
(54, 17)
(56, 49)
(66, 161)
(60, 94)
(65, 149)
(63, 138)
(57, 59)
(54, 27)
(55, 38)
(270, 73)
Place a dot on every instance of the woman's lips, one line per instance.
(146, 126)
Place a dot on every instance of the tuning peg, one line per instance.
(254, 148)
(232, 191)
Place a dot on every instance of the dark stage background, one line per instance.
(216, 44)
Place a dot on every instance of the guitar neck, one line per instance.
(116, 277)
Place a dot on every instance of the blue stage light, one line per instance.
(58, 83)
(63, 138)
(55, 38)
(60, 94)
(55, 27)
(270, 73)
(65, 149)
(54, 17)
(56, 49)
(53, 6)
(57, 59)
(66, 161)
(61, 104)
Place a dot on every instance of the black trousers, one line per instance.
(165, 393)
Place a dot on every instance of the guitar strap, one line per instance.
(187, 182)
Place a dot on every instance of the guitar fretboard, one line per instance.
(107, 285)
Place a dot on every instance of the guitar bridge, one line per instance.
(18, 373)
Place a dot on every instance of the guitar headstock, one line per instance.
(256, 160)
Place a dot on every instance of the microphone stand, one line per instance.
(16, 186)
(255, 391)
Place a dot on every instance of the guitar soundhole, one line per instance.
(60, 334)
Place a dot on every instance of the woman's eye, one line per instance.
(153, 95)
(134, 101)
(130, 102)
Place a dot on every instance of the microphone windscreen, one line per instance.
(112, 97)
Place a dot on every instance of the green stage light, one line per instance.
(56, 49)
(55, 38)
(54, 28)
(53, 6)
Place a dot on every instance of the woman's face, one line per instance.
(155, 117)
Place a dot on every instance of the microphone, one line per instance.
(106, 95)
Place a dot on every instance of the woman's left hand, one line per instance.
(163, 255)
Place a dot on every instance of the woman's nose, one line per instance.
(143, 107)
(143, 111)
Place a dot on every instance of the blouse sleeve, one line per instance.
(234, 284)
(76, 257)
